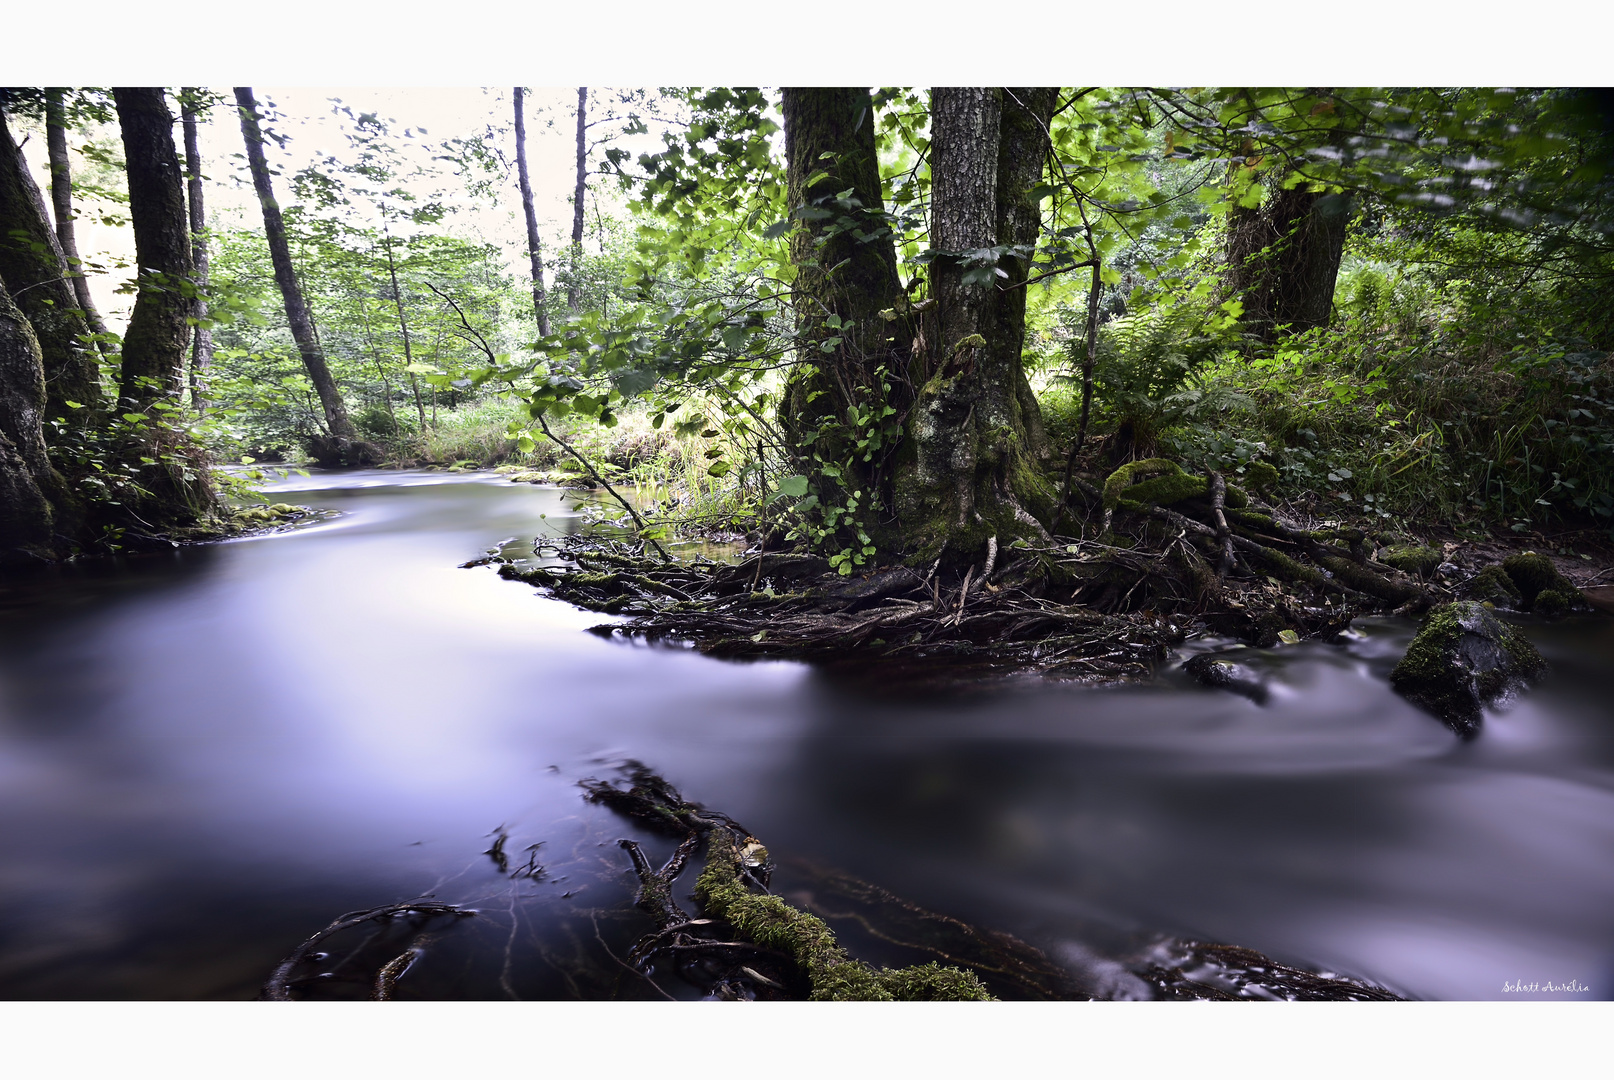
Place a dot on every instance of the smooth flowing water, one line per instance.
(209, 755)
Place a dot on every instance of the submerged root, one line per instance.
(284, 978)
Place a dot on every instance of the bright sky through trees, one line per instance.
(308, 117)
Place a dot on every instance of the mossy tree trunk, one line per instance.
(971, 466)
(26, 517)
(33, 269)
(846, 265)
(1283, 258)
(159, 333)
(297, 314)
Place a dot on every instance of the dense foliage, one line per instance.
(1398, 298)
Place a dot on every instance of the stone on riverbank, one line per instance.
(1463, 659)
(1212, 669)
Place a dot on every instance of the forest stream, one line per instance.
(206, 756)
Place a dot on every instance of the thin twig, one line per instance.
(597, 478)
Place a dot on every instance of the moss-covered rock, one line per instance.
(1416, 559)
(1492, 586)
(1463, 659)
(1534, 574)
(1552, 603)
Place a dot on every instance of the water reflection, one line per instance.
(205, 756)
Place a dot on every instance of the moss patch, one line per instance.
(1492, 585)
(773, 924)
(1552, 603)
(1534, 574)
(1413, 559)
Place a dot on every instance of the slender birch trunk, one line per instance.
(202, 343)
(534, 245)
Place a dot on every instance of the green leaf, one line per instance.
(791, 487)
(719, 468)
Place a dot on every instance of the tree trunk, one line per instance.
(842, 286)
(297, 315)
(61, 196)
(403, 324)
(177, 491)
(534, 245)
(971, 463)
(26, 519)
(32, 267)
(574, 284)
(155, 343)
(202, 345)
(1283, 259)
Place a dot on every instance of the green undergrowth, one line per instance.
(1397, 415)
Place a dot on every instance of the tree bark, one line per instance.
(843, 282)
(202, 344)
(840, 279)
(971, 466)
(534, 245)
(33, 270)
(26, 518)
(61, 196)
(297, 315)
(155, 343)
(574, 284)
(1283, 259)
(176, 490)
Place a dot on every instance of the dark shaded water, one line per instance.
(207, 756)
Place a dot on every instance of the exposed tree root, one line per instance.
(1173, 554)
(748, 943)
